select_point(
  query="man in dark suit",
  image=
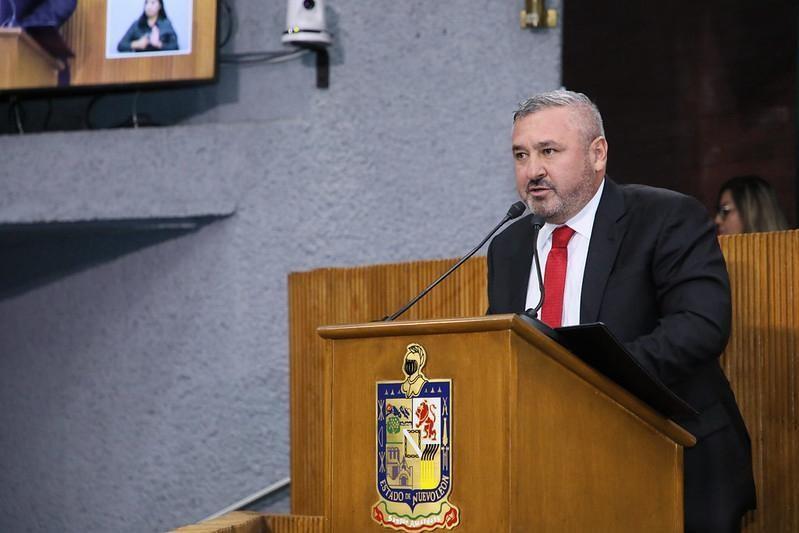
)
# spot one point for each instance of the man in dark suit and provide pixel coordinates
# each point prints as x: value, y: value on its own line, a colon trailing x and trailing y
x: 644, y: 261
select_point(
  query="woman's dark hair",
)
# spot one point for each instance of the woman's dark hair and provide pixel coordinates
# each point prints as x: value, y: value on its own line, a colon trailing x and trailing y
x: 756, y: 202
x: 161, y: 14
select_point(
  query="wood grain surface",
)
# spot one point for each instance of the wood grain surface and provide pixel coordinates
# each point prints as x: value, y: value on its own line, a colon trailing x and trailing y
x: 23, y: 63
x: 760, y: 359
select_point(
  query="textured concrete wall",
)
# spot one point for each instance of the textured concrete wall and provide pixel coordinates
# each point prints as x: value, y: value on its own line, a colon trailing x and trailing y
x: 151, y: 390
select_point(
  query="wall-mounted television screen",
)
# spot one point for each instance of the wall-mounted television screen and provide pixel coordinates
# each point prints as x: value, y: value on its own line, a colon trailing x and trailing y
x: 62, y: 44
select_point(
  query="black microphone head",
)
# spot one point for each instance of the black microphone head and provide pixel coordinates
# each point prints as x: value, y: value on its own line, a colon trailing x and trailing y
x: 537, y: 221
x: 516, y: 210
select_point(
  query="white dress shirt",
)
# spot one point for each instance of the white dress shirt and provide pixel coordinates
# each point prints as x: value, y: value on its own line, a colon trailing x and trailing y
x: 582, y: 223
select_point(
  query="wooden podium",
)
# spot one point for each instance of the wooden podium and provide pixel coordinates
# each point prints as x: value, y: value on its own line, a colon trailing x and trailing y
x: 760, y: 361
x: 25, y: 64
x: 539, y: 440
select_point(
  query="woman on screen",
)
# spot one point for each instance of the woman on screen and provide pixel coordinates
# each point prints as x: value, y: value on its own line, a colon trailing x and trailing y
x: 151, y: 32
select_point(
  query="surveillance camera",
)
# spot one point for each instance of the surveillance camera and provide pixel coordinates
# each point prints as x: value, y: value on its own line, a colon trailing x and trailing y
x: 305, y: 24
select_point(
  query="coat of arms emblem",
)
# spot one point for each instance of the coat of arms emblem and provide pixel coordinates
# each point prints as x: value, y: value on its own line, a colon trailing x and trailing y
x: 414, y: 450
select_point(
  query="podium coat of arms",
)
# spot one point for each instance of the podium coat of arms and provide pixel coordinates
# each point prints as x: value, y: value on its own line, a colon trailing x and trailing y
x: 414, y: 450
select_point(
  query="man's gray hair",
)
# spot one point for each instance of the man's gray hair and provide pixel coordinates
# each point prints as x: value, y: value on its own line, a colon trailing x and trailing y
x: 590, y: 118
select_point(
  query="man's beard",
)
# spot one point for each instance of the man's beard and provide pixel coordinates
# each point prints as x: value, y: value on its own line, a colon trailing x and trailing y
x: 559, y: 209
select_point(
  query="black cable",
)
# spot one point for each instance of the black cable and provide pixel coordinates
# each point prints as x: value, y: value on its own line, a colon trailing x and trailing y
x: 134, y: 110
x: 229, y: 30
x: 16, y: 114
x: 87, y: 115
x: 136, y: 119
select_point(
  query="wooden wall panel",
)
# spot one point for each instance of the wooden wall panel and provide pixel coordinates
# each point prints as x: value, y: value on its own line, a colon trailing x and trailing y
x: 761, y: 363
x: 760, y: 360
x: 294, y: 524
x: 85, y: 33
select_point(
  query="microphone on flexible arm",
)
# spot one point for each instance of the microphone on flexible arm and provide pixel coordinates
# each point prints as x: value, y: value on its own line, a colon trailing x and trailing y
x: 531, y: 315
x: 514, y: 212
x: 538, y: 222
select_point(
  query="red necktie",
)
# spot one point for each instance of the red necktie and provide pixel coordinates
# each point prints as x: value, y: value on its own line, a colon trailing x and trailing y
x: 555, y: 277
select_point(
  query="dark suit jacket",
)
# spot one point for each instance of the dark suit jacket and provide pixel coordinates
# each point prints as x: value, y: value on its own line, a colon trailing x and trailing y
x: 656, y: 277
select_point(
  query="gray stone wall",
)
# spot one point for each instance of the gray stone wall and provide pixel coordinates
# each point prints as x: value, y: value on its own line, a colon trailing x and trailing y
x: 151, y: 390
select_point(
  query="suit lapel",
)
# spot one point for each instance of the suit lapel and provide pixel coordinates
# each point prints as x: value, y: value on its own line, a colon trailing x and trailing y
x: 520, y: 266
x: 606, y: 237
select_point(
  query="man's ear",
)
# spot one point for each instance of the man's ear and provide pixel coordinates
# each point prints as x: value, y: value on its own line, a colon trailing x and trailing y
x: 599, y: 153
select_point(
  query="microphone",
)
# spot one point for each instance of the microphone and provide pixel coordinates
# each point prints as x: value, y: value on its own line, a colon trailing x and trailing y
x: 530, y: 316
x: 537, y: 222
x: 515, y: 211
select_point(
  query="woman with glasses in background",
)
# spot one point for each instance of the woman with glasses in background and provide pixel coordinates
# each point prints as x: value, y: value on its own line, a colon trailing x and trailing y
x: 748, y: 204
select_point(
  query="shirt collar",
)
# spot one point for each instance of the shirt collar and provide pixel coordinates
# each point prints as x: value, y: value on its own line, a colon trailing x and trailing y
x: 583, y: 222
